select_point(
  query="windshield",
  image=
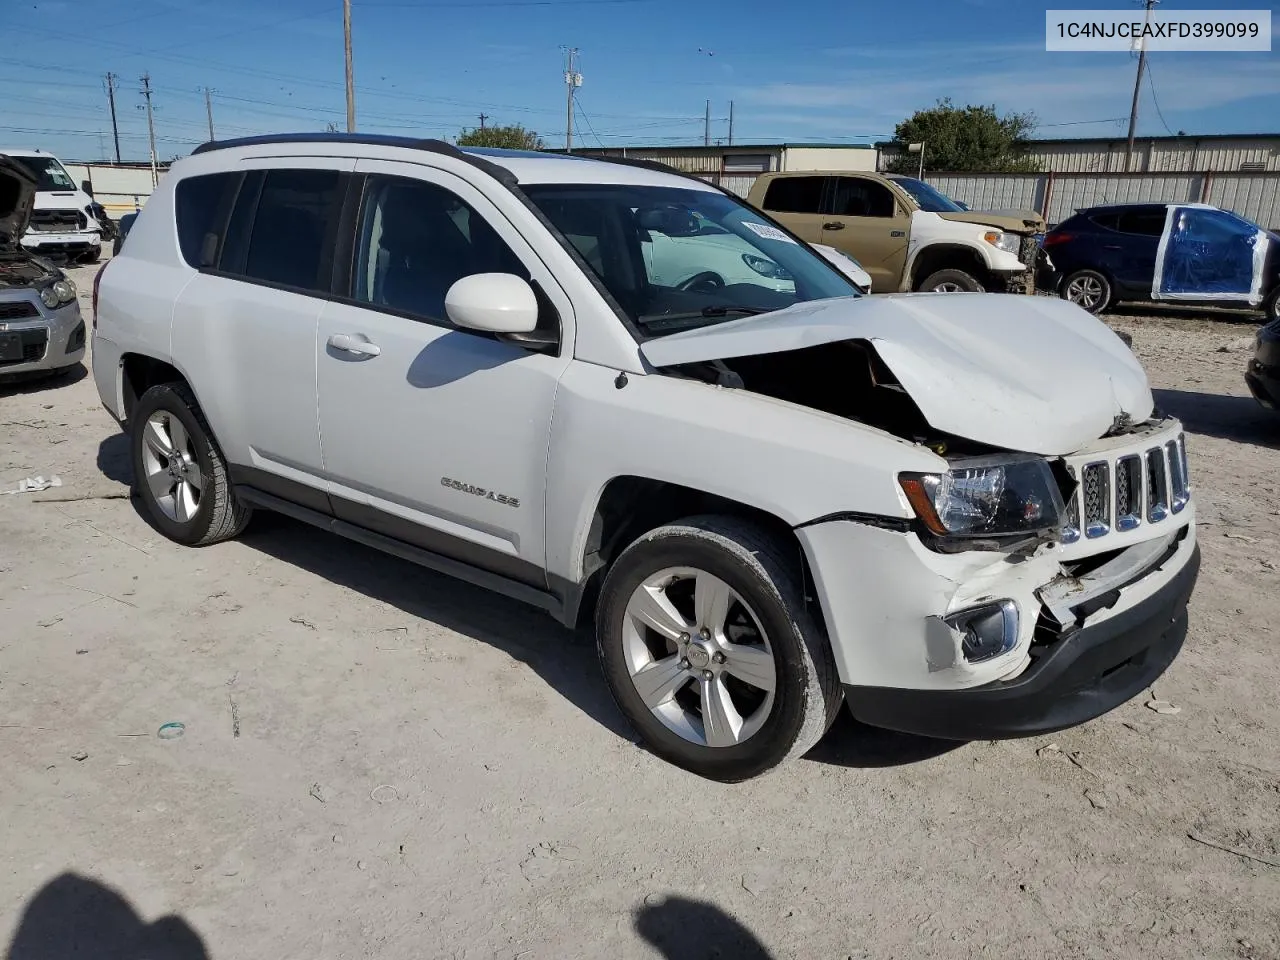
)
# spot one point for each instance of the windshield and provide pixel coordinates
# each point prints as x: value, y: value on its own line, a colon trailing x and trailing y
x: 930, y: 200
x: 673, y: 258
x: 48, y: 173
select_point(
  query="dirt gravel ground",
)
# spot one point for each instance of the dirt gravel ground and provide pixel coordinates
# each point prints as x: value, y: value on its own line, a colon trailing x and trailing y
x: 381, y: 762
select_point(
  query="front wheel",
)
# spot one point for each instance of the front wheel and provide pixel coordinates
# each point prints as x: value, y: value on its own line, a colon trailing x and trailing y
x: 1088, y: 289
x: 179, y: 471
x: 1272, y: 307
x: 952, y: 281
x: 711, y: 652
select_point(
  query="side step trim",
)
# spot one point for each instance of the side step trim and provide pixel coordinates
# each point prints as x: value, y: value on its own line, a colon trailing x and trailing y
x: 398, y: 548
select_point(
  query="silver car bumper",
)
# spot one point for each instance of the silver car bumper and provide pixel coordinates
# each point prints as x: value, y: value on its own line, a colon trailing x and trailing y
x: 49, y: 340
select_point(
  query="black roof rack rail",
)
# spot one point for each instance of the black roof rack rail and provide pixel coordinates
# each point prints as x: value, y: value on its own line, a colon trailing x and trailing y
x: 372, y: 139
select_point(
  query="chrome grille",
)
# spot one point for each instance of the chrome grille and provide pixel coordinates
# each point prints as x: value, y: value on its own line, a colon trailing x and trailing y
x: 1127, y: 489
x: 1095, y: 483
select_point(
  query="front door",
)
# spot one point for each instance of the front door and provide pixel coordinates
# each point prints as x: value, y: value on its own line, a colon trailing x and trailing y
x: 433, y: 434
x: 868, y: 222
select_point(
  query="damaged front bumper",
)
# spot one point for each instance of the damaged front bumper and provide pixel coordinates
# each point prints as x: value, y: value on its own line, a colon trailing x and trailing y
x: 980, y: 644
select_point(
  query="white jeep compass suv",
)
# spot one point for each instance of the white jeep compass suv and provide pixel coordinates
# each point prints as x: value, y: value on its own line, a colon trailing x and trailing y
x: 957, y: 514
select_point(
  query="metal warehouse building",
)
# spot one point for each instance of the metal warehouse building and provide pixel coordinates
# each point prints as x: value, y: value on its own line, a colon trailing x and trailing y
x: 1218, y: 153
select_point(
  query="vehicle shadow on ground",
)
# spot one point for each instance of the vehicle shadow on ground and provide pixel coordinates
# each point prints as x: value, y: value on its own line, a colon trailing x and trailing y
x: 852, y: 744
x: 1164, y: 310
x: 1231, y: 418
x: 565, y: 659
x: 683, y: 929
x: 73, y: 916
x: 16, y: 384
x: 113, y: 459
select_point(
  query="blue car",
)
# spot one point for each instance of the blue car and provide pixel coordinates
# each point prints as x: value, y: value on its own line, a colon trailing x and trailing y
x: 1192, y: 254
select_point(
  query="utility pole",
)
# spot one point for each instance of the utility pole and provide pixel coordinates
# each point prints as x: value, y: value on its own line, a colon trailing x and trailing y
x: 351, y: 79
x: 731, y: 123
x: 572, y: 81
x: 706, y: 127
x: 208, y: 110
x: 483, y: 118
x: 1137, y: 89
x: 111, y: 99
x: 151, y: 128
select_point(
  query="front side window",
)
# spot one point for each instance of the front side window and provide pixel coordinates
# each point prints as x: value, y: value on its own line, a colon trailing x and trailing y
x: 674, y: 258
x: 49, y: 173
x: 418, y: 239
x: 930, y: 199
x: 795, y: 195
x: 856, y: 197
x: 291, y: 241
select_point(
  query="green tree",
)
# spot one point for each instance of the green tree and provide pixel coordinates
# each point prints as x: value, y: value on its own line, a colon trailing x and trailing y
x: 511, y: 138
x: 966, y: 139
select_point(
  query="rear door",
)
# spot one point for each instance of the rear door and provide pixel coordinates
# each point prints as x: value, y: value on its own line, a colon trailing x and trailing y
x: 866, y: 220
x: 1140, y: 229
x: 797, y: 204
x: 247, y: 321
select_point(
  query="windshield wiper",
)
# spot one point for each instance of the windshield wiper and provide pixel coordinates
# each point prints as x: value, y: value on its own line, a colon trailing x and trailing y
x: 713, y: 312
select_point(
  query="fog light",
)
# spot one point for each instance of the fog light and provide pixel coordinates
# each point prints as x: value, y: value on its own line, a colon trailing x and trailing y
x: 988, y: 630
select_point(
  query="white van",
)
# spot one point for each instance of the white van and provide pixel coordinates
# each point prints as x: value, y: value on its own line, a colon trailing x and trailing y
x: 63, y: 223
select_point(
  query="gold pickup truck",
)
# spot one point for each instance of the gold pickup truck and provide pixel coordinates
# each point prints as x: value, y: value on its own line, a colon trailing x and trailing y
x: 906, y: 234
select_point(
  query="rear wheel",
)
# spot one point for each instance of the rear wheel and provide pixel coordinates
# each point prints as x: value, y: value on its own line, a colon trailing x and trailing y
x: 952, y: 281
x: 179, y: 470
x: 1088, y: 289
x: 711, y: 652
x: 1272, y: 307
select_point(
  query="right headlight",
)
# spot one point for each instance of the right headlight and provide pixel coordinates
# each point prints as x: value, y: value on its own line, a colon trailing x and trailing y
x: 987, y: 497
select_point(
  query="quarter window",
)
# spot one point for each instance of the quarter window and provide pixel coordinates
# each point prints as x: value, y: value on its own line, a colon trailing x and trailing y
x: 200, y: 213
x: 416, y: 240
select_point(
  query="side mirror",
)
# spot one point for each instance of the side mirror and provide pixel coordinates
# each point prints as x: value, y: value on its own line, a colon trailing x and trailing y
x: 495, y: 302
x: 87, y: 187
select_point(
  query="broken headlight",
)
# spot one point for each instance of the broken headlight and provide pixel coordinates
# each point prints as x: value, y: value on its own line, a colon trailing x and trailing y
x: 766, y: 267
x: 986, y: 497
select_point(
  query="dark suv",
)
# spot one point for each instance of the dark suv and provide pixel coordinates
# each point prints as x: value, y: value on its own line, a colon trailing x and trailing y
x: 1107, y: 254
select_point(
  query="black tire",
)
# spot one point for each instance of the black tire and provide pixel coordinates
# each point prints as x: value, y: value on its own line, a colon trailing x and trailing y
x: 1271, y: 308
x: 766, y: 575
x: 966, y: 282
x: 219, y: 514
x: 1078, y: 288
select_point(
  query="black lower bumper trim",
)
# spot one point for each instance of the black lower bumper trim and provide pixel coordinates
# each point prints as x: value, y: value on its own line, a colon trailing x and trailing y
x: 1264, y: 384
x: 1078, y: 677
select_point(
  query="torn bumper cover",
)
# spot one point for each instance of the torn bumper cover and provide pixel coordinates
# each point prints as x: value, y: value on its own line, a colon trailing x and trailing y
x: 1075, y: 675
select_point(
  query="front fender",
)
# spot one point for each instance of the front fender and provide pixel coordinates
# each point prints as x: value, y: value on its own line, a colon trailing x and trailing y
x: 791, y: 462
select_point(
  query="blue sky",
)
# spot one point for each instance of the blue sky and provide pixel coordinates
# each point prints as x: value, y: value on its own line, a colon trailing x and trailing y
x: 802, y: 70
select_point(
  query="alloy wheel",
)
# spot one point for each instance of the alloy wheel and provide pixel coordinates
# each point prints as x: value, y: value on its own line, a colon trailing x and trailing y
x: 172, y: 473
x: 1085, y: 292
x: 698, y: 657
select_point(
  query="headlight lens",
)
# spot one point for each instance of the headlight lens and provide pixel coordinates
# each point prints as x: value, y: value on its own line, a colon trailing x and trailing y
x: 1008, y: 242
x: 64, y: 290
x: 766, y: 267
x: 986, y: 497
x: 49, y: 296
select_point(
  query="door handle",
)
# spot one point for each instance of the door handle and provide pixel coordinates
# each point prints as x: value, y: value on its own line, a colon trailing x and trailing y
x: 350, y: 344
x: 1112, y: 246
x: 835, y: 225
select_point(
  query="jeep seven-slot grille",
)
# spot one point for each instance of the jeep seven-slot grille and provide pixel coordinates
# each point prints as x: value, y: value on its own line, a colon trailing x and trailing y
x: 1123, y: 493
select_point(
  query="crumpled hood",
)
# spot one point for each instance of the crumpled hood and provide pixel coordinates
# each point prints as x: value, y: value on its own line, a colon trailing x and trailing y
x: 17, y: 200
x: 1033, y: 374
x: 1015, y: 221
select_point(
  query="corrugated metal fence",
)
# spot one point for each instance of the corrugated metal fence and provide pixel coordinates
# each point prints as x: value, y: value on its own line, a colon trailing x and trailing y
x: 1255, y: 196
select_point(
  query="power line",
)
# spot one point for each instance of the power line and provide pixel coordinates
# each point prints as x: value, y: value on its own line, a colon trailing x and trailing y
x: 587, y: 121
x: 1154, y: 99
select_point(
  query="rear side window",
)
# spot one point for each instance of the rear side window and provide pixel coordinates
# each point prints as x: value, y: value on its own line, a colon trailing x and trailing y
x: 1108, y: 221
x: 795, y: 195
x: 284, y: 226
x: 1147, y: 223
x: 201, y: 208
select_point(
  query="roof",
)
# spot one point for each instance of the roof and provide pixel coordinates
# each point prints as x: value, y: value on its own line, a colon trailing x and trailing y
x: 508, y: 166
x: 719, y: 148
x: 19, y: 152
